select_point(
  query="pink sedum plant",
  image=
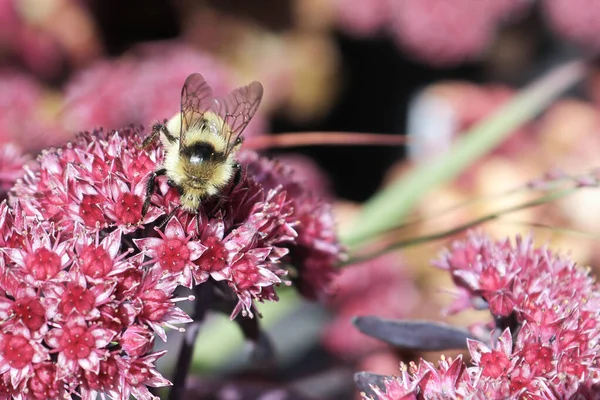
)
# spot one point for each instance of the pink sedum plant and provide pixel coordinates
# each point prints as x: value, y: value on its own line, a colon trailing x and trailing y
x: 86, y: 282
x: 542, y: 340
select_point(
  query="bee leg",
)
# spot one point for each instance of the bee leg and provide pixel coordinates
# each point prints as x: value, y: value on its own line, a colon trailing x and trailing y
x: 238, y: 143
x: 162, y: 128
x: 168, y: 217
x: 237, y: 178
x: 157, y: 129
x: 150, y: 186
x: 151, y: 138
x: 198, y: 220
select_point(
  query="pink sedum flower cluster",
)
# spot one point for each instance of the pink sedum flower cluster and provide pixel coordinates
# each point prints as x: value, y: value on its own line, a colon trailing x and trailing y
x: 68, y: 303
x: 545, y: 311
x: 86, y: 282
x: 316, y: 248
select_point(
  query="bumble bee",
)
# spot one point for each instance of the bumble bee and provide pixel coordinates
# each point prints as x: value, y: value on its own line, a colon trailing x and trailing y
x: 202, y: 140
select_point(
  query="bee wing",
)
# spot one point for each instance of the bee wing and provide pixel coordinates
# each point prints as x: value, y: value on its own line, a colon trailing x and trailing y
x: 237, y: 109
x: 196, y: 97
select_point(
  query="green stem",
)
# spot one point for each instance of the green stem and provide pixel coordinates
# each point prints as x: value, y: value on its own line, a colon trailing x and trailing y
x: 461, y: 228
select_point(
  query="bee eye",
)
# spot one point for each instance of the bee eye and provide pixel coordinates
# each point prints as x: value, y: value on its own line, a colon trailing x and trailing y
x: 199, y: 153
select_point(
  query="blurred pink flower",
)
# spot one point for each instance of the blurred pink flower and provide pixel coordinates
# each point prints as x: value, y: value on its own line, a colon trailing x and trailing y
x: 39, y: 51
x: 24, y: 119
x: 363, y: 17
x: 437, y: 32
x: 441, y: 32
x: 576, y: 20
x: 309, y: 173
x: 142, y: 86
x: 379, y: 286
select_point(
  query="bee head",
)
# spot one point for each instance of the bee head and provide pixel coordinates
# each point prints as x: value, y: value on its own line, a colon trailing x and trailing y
x: 199, y: 153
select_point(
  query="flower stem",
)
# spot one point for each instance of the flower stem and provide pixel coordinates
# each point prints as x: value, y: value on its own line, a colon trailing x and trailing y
x: 202, y: 302
x: 412, y: 241
x: 282, y: 140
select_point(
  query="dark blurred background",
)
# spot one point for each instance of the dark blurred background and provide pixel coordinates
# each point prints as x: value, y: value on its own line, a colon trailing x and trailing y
x: 368, y: 77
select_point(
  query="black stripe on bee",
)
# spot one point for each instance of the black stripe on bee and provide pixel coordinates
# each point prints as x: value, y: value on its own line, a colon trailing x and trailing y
x: 199, y: 153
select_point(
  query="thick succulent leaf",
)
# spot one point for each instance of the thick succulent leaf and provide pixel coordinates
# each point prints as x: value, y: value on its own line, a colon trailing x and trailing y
x: 365, y: 381
x: 414, y: 335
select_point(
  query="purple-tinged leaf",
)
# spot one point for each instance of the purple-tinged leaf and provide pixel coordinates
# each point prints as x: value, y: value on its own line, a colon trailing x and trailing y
x: 414, y: 335
x: 365, y: 381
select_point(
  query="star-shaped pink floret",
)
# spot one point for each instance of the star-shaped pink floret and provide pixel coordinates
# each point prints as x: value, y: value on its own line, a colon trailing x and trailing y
x: 24, y: 308
x: 18, y: 354
x: 99, y: 260
x: 77, y: 296
x: 157, y: 304
x: 79, y: 345
x: 40, y: 260
x: 138, y: 372
x: 173, y: 251
x: 493, y: 362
